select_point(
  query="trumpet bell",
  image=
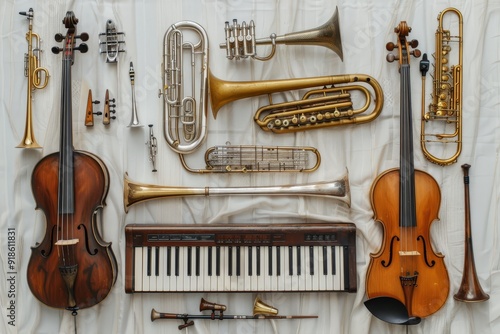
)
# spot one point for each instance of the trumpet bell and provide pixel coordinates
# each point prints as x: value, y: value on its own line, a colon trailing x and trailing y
x: 261, y: 308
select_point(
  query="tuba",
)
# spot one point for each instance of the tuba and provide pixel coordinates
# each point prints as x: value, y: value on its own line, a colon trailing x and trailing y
x: 446, y: 105
x: 328, y: 106
x: 185, y: 121
x: 134, y: 193
x: 36, y: 80
x: 241, y: 42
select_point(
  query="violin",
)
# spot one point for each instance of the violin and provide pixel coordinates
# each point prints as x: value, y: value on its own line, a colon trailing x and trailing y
x: 72, y: 267
x: 406, y: 202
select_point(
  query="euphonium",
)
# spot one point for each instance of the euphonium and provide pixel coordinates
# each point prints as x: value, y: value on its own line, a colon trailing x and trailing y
x: 184, y: 114
x: 446, y: 105
x: 327, y: 106
x: 134, y: 193
x: 36, y: 80
x: 241, y: 42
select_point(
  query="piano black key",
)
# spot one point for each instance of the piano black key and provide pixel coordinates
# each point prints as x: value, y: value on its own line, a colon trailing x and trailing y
x: 334, y: 272
x: 238, y: 262
x: 169, y: 260
x: 278, y: 261
x: 209, y: 260
x: 298, y: 261
x: 325, y: 261
x: 250, y: 267
x: 230, y: 261
x: 176, y: 264
x: 257, y: 250
x: 217, y: 261
x: 157, y: 261
x: 270, y: 260
x: 197, y: 269
x: 148, y: 268
x: 189, y: 260
x: 311, y: 260
x: 290, y: 260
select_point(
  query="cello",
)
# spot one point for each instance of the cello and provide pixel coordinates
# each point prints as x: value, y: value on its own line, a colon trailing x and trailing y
x: 406, y: 202
x: 72, y: 267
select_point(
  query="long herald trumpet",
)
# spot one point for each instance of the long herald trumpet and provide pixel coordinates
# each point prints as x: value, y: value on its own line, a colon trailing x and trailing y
x: 134, y: 193
x: 261, y: 311
x: 470, y: 289
x: 38, y: 78
x: 252, y: 158
x: 182, y: 113
x: 446, y: 105
x: 241, y: 41
x: 327, y: 106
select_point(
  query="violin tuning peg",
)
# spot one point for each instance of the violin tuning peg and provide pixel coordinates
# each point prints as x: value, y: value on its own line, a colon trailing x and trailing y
x: 59, y: 37
x: 413, y: 43
x: 391, y: 57
x: 390, y: 46
x: 56, y: 50
x: 83, y: 48
x: 83, y: 36
x: 416, y: 53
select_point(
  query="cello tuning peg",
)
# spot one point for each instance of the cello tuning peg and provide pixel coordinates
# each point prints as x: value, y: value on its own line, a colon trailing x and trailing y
x: 83, y: 36
x: 416, y: 53
x: 56, y: 50
x: 59, y: 37
x: 391, y: 57
x: 413, y: 43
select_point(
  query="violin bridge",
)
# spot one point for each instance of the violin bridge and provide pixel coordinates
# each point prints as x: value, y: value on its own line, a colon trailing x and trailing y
x: 66, y: 242
x: 409, y: 253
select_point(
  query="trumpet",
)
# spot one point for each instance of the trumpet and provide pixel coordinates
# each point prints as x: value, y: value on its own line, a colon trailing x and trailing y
x: 446, y: 105
x: 38, y: 78
x: 134, y: 120
x: 253, y: 158
x: 152, y: 147
x: 182, y: 113
x: 241, y: 41
x: 327, y: 106
x: 134, y: 193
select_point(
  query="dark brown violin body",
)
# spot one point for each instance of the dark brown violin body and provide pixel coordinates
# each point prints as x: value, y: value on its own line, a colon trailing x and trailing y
x: 72, y: 268
x: 406, y: 202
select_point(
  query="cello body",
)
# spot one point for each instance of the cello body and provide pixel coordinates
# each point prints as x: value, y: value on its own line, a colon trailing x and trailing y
x: 385, y: 266
x: 72, y: 267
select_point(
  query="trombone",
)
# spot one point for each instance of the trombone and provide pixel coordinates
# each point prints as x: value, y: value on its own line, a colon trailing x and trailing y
x: 38, y: 78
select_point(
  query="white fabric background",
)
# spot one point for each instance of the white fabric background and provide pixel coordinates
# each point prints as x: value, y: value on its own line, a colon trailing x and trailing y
x: 366, y: 150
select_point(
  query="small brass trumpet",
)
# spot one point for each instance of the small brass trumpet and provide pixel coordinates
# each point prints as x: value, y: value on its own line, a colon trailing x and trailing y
x: 38, y: 78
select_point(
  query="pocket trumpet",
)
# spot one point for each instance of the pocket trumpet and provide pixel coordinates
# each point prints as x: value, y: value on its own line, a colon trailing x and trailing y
x: 38, y: 78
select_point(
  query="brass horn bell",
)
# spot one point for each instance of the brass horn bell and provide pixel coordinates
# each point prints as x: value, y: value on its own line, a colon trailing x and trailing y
x: 261, y: 308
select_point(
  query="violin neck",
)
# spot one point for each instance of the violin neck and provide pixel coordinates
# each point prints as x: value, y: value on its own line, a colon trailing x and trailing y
x: 66, y: 178
x: 407, y: 211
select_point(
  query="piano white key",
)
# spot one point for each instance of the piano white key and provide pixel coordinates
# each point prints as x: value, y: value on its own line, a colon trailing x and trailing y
x: 266, y: 281
x: 163, y: 269
x: 274, y: 278
x: 282, y: 273
x: 296, y: 264
x: 145, y: 263
x: 318, y: 269
x: 304, y: 279
x: 138, y: 274
x: 220, y: 257
x: 323, y: 263
x: 260, y: 267
x: 341, y: 267
x: 202, y: 279
x: 213, y: 277
x: 180, y: 279
x: 241, y: 278
x: 153, y: 279
x: 233, y: 279
x: 337, y: 274
x: 288, y: 250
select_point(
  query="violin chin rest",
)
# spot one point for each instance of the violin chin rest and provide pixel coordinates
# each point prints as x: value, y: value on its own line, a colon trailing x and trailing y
x: 390, y: 310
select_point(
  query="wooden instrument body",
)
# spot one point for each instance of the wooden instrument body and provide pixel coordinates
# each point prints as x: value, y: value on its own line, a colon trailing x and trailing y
x: 94, y: 257
x: 387, y: 265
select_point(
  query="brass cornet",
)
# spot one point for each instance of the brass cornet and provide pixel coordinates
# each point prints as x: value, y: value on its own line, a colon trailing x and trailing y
x: 322, y: 107
x: 446, y: 105
x: 38, y: 77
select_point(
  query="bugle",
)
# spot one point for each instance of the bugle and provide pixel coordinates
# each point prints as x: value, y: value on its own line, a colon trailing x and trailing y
x: 470, y: 289
x: 184, y: 117
x: 134, y: 193
x: 446, y: 105
x: 38, y: 78
x: 241, y: 41
x: 323, y: 107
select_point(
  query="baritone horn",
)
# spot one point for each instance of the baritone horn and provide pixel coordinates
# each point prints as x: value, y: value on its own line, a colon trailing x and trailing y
x: 322, y: 107
x: 445, y: 111
x: 241, y: 41
x: 134, y: 193
x: 184, y: 117
x: 38, y: 77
